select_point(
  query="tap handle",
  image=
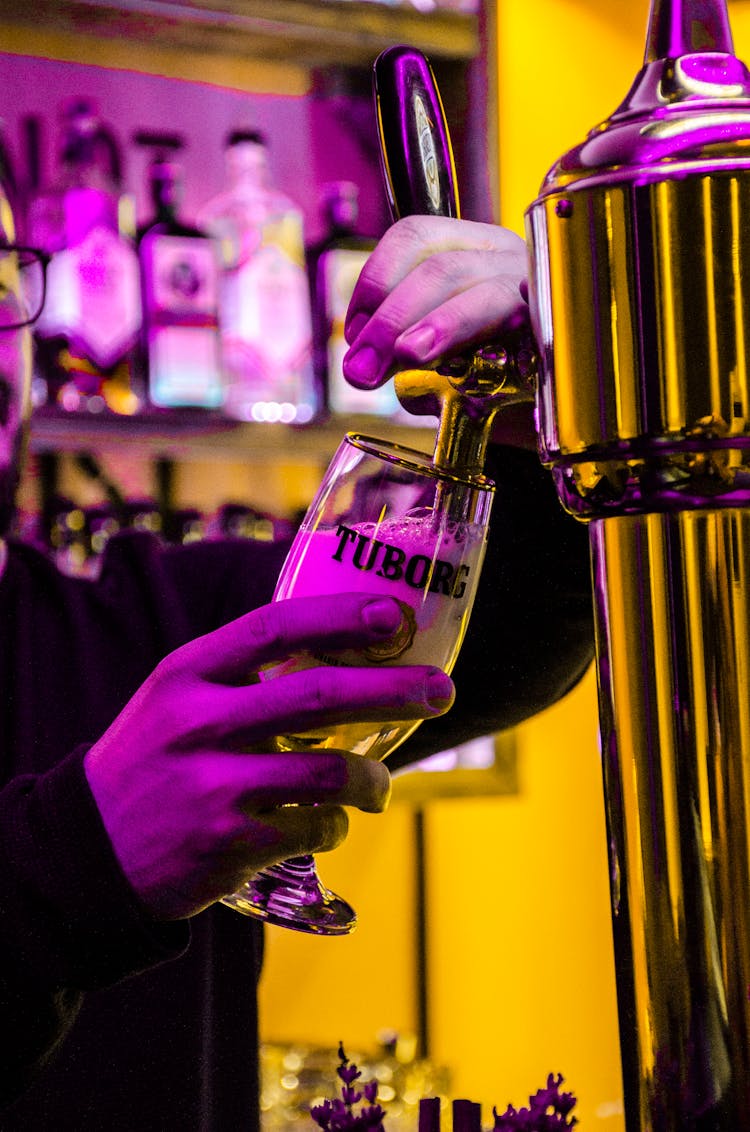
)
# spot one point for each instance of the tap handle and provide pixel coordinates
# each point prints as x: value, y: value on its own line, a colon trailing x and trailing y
x: 415, y: 146
x: 420, y: 179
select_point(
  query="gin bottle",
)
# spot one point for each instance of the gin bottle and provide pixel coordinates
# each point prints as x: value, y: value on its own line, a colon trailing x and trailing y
x: 266, y: 330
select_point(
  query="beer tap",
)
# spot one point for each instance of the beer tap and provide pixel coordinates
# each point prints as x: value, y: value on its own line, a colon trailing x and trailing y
x: 465, y: 393
x: 639, y: 293
x: 640, y: 261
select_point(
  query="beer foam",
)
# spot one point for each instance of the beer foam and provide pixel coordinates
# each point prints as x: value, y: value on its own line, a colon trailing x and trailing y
x: 423, y: 526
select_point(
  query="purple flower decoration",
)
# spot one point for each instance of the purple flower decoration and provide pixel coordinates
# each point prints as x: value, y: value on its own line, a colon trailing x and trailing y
x: 370, y: 1089
x: 549, y: 1109
x: 322, y: 1113
x: 340, y: 1114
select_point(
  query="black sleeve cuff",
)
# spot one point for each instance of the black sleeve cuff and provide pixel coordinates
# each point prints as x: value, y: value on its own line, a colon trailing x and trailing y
x: 69, y: 916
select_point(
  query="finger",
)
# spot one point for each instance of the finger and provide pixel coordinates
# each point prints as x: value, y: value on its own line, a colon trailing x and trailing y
x: 438, y: 279
x: 282, y: 629
x: 410, y: 242
x: 306, y: 778
x: 409, y: 329
x: 292, y: 832
x: 255, y: 841
x: 318, y: 698
x: 261, y: 840
x: 471, y: 318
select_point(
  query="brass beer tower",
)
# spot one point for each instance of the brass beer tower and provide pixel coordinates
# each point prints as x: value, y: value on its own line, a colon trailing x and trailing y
x: 640, y: 272
x: 640, y: 299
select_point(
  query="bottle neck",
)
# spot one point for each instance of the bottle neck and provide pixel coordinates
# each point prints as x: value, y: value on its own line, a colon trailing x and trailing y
x: 166, y: 194
x: 165, y: 209
x: 339, y: 231
x: 341, y: 211
x: 246, y: 165
x: 89, y: 158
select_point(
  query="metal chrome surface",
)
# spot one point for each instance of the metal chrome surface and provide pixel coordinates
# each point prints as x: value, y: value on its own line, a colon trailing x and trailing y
x: 642, y: 320
x: 641, y: 293
x: 673, y: 642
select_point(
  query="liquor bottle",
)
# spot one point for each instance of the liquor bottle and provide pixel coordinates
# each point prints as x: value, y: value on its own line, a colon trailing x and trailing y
x: 87, y: 334
x: 266, y: 322
x: 180, y: 285
x: 334, y: 265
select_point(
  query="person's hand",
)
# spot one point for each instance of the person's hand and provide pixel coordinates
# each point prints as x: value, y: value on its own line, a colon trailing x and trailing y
x: 187, y: 780
x: 432, y: 288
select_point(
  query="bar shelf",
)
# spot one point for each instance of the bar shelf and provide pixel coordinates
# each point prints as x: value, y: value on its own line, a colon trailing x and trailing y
x: 314, y: 34
x: 186, y: 434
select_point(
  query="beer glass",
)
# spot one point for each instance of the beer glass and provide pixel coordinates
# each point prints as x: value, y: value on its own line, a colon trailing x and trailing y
x: 385, y: 520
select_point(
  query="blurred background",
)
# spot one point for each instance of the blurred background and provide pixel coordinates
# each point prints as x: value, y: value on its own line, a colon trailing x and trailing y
x: 482, y: 960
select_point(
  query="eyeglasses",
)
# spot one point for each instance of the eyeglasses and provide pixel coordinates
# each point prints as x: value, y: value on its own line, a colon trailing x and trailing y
x: 23, y: 274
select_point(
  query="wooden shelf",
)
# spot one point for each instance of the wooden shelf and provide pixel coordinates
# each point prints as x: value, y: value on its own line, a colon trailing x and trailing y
x: 186, y: 436
x: 311, y: 32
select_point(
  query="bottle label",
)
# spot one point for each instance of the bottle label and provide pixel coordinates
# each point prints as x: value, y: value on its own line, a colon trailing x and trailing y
x: 93, y: 297
x: 266, y: 321
x: 338, y: 271
x: 184, y: 367
x: 272, y: 309
x: 417, y: 571
x: 181, y: 278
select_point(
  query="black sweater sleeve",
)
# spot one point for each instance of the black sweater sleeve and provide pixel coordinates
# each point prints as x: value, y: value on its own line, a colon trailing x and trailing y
x: 70, y: 921
x: 531, y: 635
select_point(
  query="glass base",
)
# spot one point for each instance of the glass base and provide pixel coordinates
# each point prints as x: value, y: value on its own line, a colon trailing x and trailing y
x: 291, y: 895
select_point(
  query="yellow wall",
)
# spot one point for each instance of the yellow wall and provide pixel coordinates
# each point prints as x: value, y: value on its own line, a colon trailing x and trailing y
x: 523, y: 975
x: 563, y: 66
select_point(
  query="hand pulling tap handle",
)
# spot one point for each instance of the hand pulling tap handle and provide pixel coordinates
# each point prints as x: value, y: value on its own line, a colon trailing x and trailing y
x: 420, y: 179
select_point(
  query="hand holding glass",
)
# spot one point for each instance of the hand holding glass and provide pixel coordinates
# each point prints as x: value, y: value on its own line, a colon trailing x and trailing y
x: 385, y: 520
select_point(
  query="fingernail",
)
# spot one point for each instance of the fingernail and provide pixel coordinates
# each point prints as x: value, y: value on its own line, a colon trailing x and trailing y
x: 439, y: 690
x: 362, y: 367
x: 355, y: 324
x: 418, y: 343
x: 383, y: 616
